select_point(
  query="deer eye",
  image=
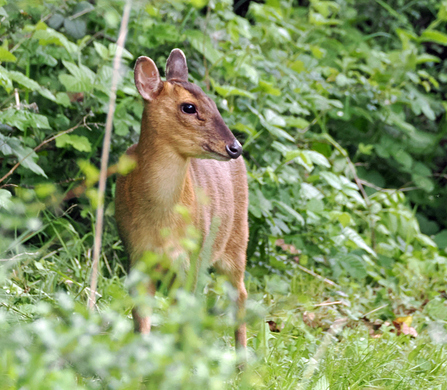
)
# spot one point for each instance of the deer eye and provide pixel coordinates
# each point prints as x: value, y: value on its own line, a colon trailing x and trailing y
x: 188, y: 108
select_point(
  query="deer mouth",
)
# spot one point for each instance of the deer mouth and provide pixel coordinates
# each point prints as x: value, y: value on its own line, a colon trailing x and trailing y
x: 215, y: 155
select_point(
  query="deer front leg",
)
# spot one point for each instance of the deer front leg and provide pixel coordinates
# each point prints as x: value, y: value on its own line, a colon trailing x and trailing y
x: 241, y: 331
x: 142, y: 323
x: 235, y: 270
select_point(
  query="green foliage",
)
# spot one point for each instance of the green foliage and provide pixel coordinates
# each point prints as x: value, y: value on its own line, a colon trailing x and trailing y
x: 340, y: 108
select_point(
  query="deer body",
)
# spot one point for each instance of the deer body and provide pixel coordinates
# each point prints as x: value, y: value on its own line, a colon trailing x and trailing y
x: 182, y: 137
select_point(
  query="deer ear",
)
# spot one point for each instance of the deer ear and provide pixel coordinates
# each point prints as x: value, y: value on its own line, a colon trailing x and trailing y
x: 176, y: 68
x: 147, y: 78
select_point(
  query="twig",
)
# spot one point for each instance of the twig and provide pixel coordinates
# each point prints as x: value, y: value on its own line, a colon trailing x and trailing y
x: 13, y: 308
x: 310, y: 272
x: 11, y: 171
x: 377, y: 309
x: 108, y: 265
x: 70, y: 180
x: 100, y: 34
x: 105, y: 153
x: 20, y: 255
x: 392, y: 190
x: 8, y: 185
x: 83, y: 12
x: 17, y: 98
x: 330, y: 303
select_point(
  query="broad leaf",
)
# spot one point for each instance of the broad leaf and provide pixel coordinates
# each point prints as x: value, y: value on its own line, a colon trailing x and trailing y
x: 5, y: 199
x: 6, y: 56
x: 203, y: 45
x: 79, y: 142
x: 434, y: 36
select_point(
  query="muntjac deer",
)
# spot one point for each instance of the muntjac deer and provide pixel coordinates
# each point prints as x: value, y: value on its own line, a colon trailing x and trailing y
x: 184, y: 148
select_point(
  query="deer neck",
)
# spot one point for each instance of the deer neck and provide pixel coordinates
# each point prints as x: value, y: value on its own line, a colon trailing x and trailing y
x: 162, y: 173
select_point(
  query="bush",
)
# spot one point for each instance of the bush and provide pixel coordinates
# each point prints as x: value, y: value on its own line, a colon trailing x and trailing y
x: 343, y: 123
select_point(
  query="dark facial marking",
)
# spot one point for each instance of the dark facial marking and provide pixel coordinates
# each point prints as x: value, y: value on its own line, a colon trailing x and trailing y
x: 222, y: 129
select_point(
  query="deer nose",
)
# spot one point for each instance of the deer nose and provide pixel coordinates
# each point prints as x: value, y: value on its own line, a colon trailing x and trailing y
x: 234, y: 150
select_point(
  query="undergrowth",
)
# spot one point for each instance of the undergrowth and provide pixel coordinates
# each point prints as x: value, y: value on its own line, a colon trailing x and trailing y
x: 342, y: 118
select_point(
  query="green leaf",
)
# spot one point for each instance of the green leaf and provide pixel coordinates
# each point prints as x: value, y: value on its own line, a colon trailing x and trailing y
x: 353, y: 236
x: 298, y: 66
x: 101, y: 50
x: 24, y: 119
x: 345, y: 219
x: 203, y: 45
x: 199, y: 4
x: 354, y: 265
x: 315, y: 205
x: 265, y: 204
x: 5, y: 80
x: 332, y: 180
x: 305, y: 161
x: 121, y: 127
x: 52, y: 37
x: 125, y: 53
x: 247, y: 129
x: 79, y: 142
x: 273, y: 118
x: 341, y: 80
x: 292, y: 154
x: 47, y: 94
x: 437, y: 309
x: 5, y: 200
x: 400, y: 123
x: 291, y: 211
x: 402, y: 157
x: 103, y: 80
x: 77, y: 28
x: 277, y: 132
x: 56, y: 21
x: 228, y: 90
x: 23, y: 80
x: 441, y: 239
x: 317, y: 158
x: 434, y: 36
x: 81, y: 81
x: 80, y: 72
x: 27, y: 156
x: 63, y: 99
x: 308, y: 191
x: 423, y: 58
x: 423, y: 182
x: 6, y: 56
x: 267, y: 88
x: 300, y: 123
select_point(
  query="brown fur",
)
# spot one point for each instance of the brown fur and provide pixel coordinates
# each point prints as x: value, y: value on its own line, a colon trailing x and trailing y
x: 176, y: 159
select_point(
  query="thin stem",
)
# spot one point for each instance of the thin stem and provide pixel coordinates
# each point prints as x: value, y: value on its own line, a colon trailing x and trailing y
x: 105, y: 153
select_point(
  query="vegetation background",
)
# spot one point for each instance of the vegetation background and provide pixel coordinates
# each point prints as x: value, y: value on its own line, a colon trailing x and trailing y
x: 341, y: 107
